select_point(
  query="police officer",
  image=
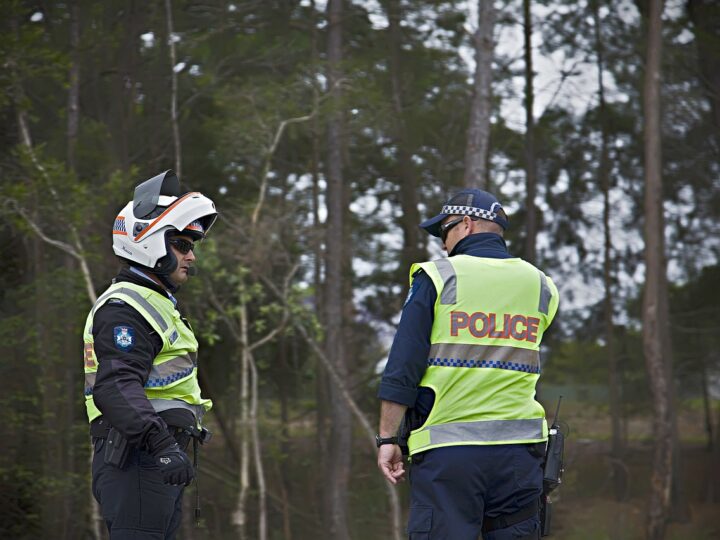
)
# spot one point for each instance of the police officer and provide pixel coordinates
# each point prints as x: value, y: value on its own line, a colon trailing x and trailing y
x: 141, y: 386
x: 461, y: 377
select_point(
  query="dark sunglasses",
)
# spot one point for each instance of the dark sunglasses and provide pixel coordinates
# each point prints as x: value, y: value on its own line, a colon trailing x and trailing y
x: 445, y: 228
x: 183, y: 246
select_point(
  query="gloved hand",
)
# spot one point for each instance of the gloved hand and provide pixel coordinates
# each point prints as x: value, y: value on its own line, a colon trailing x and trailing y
x: 174, y: 465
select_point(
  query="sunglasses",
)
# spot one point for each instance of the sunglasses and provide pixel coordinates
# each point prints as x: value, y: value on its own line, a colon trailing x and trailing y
x: 445, y: 228
x: 183, y: 246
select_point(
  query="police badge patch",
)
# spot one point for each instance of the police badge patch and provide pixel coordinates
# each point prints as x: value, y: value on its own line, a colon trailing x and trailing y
x: 124, y: 338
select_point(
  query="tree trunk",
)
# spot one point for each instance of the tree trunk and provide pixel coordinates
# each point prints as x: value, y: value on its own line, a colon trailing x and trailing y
x: 284, y: 389
x: 707, y: 408
x: 614, y: 382
x: 240, y: 516
x: 655, y: 316
x: 321, y: 381
x: 73, y: 127
x: 478, y: 134
x: 73, y: 107
x: 413, y: 246
x: 257, y: 450
x: 338, y: 469
x: 530, y: 164
x: 173, y: 90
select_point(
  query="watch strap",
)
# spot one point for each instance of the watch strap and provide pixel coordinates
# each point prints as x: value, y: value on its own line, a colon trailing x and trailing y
x: 379, y: 441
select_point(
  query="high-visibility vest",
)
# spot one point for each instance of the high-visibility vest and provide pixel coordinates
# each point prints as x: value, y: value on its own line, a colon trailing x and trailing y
x: 173, y: 381
x: 484, y: 361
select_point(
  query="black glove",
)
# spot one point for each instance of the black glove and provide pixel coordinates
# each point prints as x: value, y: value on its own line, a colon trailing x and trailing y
x: 174, y: 465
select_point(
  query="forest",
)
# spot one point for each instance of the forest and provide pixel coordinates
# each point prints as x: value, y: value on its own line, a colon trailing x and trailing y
x: 325, y: 132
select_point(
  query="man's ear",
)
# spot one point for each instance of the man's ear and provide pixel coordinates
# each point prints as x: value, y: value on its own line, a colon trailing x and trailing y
x: 469, y: 223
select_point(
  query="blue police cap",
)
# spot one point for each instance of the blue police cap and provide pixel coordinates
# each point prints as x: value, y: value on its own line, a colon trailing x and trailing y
x: 468, y: 202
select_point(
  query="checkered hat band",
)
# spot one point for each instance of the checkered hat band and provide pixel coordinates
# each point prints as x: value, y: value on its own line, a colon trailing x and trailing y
x: 469, y: 211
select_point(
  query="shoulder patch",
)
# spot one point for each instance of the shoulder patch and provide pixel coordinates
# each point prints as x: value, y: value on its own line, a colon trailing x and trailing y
x: 116, y: 301
x: 412, y: 290
x: 124, y: 338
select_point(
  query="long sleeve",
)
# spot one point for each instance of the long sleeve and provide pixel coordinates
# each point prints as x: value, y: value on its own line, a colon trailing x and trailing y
x: 407, y: 361
x: 125, y: 346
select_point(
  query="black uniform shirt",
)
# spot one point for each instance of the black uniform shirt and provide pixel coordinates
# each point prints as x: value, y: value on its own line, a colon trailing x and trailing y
x: 124, y: 367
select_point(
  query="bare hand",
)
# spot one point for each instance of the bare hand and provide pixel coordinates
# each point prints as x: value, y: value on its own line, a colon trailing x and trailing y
x: 390, y: 462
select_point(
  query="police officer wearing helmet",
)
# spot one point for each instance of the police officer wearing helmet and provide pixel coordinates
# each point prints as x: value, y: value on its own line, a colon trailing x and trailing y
x: 460, y: 382
x: 142, y: 394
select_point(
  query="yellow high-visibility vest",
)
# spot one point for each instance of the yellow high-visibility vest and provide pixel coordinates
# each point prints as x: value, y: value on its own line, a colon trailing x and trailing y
x: 173, y: 381
x: 484, y: 361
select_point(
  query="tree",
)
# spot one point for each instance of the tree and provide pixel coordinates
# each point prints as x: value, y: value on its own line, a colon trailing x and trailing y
x: 531, y: 221
x: 655, y: 307
x: 614, y: 387
x: 338, y: 470
x: 478, y: 134
x: 413, y: 245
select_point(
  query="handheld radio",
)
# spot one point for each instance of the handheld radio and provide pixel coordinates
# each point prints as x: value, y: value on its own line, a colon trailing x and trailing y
x: 554, y: 454
x: 553, y: 470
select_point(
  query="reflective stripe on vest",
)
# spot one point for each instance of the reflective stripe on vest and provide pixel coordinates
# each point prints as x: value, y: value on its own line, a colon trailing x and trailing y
x: 484, y: 356
x: 447, y: 273
x: 166, y: 404
x: 171, y: 371
x: 492, y: 431
x: 147, y: 306
x: 90, y: 382
x: 160, y: 374
x: 545, y: 295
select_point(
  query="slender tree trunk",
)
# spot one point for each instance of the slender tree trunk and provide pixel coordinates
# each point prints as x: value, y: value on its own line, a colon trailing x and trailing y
x: 240, y: 517
x: 284, y: 389
x: 413, y: 246
x: 174, y: 90
x: 73, y: 107
x: 321, y: 381
x: 531, y: 224
x: 655, y: 316
x: 73, y: 127
x: 714, y: 495
x: 707, y: 410
x: 614, y: 383
x: 257, y: 450
x: 338, y: 469
x: 478, y: 134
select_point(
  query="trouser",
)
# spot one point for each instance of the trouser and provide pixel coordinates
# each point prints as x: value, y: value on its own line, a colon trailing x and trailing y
x: 453, y: 488
x: 134, y: 501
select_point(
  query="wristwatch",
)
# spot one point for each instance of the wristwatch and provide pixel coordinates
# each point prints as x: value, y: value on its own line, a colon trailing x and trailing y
x: 379, y: 441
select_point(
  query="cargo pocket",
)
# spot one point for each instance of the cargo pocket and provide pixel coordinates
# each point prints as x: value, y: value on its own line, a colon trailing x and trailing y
x: 420, y: 522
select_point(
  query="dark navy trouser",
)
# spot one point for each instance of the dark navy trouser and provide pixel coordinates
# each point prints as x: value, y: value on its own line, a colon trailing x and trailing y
x: 453, y: 487
x: 134, y: 501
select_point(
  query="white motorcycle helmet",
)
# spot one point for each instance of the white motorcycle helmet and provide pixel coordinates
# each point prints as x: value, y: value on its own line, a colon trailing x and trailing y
x: 141, y: 229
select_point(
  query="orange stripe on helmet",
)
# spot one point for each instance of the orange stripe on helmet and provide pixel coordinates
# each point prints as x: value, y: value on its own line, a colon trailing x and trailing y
x: 168, y: 209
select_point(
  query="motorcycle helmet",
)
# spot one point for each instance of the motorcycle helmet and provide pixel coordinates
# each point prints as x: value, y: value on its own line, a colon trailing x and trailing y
x: 158, y: 211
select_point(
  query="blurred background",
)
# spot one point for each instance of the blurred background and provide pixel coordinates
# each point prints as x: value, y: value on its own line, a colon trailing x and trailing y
x: 325, y: 132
